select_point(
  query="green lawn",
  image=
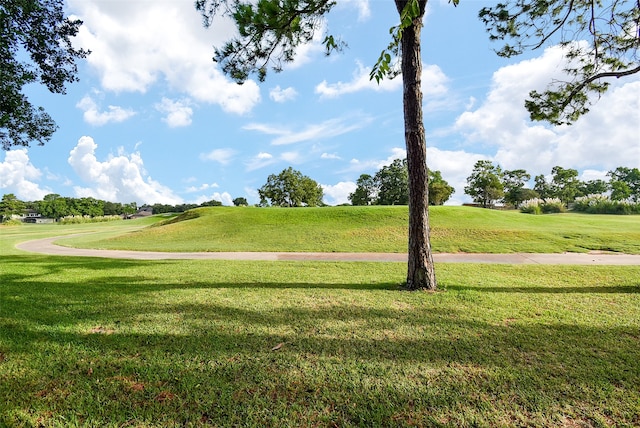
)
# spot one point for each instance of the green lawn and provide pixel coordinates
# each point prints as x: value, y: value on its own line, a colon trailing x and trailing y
x: 378, y: 229
x: 100, y: 342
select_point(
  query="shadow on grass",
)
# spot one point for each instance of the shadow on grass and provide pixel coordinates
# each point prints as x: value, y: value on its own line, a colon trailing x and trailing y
x: 622, y: 289
x: 217, y: 362
x: 114, y: 342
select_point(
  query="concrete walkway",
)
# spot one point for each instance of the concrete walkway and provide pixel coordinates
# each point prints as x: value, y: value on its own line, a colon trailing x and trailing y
x: 47, y: 246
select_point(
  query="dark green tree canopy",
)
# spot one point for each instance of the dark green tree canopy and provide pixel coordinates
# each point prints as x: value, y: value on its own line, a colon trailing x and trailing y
x: 390, y: 186
x: 513, y: 183
x: 484, y: 184
x: 393, y: 183
x: 609, y: 48
x: 439, y: 190
x: 625, y: 184
x: 35, y: 47
x: 290, y: 189
x: 240, y: 202
x: 366, y: 192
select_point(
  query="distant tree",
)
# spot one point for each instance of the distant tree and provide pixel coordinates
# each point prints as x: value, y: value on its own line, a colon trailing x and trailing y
x: 211, y: 203
x: 240, y: 202
x: 592, y: 187
x: 130, y: 208
x: 484, y: 184
x: 88, y: 206
x: 439, y: 190
x: 290, y: 189
x: 625, y: 184
x: 366, y: 191
x: 565, y: 184
x: 542, y: 187
x: 525, y: 194
x: 393, y: 183
x: 513, y: 183
x: 9, y: 206
x: 55, y: 206
x: 35, y: 47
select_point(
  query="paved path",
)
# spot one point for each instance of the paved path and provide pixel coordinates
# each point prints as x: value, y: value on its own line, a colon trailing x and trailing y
x: 46, y: 246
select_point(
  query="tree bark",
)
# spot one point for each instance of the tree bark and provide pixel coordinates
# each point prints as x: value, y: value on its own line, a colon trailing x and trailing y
x: 421, y: 271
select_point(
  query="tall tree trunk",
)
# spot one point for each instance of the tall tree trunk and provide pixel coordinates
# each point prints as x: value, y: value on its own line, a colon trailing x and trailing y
x: 421, y: 271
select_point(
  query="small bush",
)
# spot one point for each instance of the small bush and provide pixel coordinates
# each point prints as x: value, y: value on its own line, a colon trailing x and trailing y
x: 531, y: 206
x: 553, y: 206
x: 79, y: 219
x: 599, y: 204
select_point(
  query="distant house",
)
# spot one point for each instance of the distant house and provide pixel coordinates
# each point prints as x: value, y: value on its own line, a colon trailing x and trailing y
x: 32, y: 216
x: 142, y: 212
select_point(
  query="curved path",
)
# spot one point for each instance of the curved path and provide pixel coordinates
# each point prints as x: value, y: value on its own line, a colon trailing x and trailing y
x: 47, y: 246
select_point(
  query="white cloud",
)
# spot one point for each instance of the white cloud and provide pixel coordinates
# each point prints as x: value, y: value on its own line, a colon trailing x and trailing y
x: 592, y: 174
x: 138, y: 44
x: 434, y: 84
x: 360, y: 81
x: 327, y: 129
x: 332, y: 156
x: 291, y: 157
x: 201, y: 188
x: 94, y: 116
x: 338, y: 193
x: 222, y: 156
x: 223, y: 197
x: 606, y: 137
x: 19, y: 176
x: 364, y: 12
x: 120, y: 178
x: 280, y: 95
x: 261, y: 160
x: 178, y: 112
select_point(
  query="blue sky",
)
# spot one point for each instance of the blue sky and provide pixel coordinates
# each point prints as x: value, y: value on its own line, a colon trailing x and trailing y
x: 153, y: 120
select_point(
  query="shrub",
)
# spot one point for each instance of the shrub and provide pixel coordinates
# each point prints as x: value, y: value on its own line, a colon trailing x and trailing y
x: 553, y: 205
x: 531, y: 206
x: 599, y: 204
x: 79, y: 219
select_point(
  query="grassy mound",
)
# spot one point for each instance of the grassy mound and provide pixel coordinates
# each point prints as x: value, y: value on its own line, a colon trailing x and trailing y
x: 378, y: 229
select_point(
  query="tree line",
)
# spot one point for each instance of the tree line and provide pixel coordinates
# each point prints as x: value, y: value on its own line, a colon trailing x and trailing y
x: 488, y: 184
x: 55, y: 206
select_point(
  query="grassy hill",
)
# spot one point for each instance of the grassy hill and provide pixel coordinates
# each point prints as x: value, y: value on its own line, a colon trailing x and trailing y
x: 376, y: 229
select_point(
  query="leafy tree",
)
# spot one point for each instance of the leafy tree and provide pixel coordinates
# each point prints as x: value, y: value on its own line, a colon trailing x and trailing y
x: 366, y: 191
x: 513, y: 183
x: 609, y: 27
x: 625, y: 184
x: 54, y: 206
x: 592, y: 187
x: 35, y: 47
x: 439, y: 190
x: 9, y: 206
x: 240, y: 202
x: 291, y: 189
x: 565, y: 184
x: 211, y: 203
x: 88, y: 206
x: 393, y: 183
x: 542, y: 187
x: 484, y: 184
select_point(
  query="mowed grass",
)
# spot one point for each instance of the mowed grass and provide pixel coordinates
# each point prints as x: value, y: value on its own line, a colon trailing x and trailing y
x: 118, y: 343
x: 377, y: 229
